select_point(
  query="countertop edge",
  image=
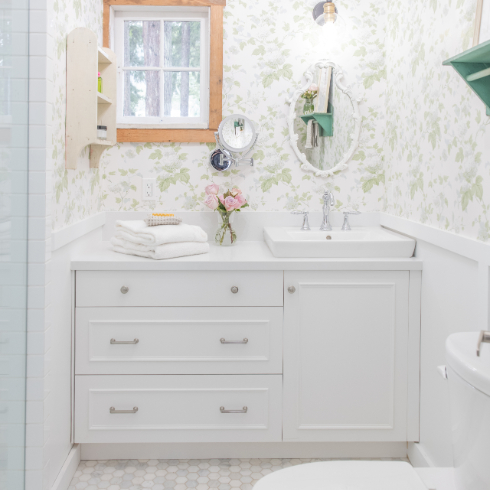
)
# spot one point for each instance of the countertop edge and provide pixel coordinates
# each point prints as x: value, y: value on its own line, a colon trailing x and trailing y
x: 245, y: 256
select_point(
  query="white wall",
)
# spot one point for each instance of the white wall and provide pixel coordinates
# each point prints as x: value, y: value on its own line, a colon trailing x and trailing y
x: 57, y: 405
x: 449, y: 305
x: 39, y: 245
x: 455, y: 298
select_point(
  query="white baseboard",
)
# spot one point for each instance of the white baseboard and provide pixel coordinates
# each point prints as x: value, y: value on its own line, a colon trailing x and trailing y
x: 245, y: 450
x: 60, y: 238
x: 418, y: 457
x: 68, y: 470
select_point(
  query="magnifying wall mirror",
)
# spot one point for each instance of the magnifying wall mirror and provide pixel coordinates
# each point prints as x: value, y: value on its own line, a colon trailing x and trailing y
x: 236, y: 136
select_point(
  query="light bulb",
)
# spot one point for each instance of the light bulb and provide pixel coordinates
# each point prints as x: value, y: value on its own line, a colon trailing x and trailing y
x: 330, y: 14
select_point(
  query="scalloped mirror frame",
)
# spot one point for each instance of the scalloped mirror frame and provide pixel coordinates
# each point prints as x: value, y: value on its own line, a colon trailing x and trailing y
x: 293, y: 138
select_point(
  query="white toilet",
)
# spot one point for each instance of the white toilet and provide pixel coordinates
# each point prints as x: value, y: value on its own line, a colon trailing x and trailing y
x: 469, y: 379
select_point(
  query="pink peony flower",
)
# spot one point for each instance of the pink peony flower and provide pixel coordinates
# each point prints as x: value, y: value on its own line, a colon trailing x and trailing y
x: 222, y: 199
x: 240, y: 199
x: 231, y: 203
x: 211, y: 201
x: 236, y: 191
x: 313, y: 87
x: 212, y: 189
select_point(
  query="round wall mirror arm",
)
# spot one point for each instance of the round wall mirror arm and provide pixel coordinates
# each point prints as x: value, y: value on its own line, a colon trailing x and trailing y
x: 225, y: 156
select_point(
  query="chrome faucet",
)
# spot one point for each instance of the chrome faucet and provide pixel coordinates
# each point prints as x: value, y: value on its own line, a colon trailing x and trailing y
x: 306, y: 224
x: 328, y: 200
x: 346, y: 225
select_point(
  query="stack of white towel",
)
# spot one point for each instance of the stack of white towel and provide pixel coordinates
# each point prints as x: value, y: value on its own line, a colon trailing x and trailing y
x: 159, y: 242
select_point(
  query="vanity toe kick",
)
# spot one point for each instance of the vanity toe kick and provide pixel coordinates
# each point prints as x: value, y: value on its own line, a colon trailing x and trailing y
x: 135, y: 409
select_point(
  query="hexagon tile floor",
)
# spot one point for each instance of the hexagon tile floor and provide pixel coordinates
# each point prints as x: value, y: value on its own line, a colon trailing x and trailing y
x: 177, y: 474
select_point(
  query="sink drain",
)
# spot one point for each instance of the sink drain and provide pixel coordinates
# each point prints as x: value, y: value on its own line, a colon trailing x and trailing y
x: 329, y: 237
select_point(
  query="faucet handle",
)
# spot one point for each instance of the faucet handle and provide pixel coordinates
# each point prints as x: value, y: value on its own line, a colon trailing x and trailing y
x: 346, y: 225
x: 329, y: 195
x: 306, y: 224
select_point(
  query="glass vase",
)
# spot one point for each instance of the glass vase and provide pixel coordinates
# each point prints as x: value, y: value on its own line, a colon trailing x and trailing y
x: 225, y: 234
x: 309, y: 107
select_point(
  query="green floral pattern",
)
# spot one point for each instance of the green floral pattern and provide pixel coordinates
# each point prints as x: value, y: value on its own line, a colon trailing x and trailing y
x: 423, y: 130
x: 437, y: 133
x: 268, y: 46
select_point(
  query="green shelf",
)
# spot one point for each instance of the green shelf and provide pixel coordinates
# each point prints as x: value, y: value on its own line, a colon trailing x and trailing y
x: 324, y: 119
x: 474, y: 67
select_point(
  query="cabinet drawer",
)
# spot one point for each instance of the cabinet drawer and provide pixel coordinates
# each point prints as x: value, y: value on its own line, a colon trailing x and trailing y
x: 178, y: 340
x: 179, y: 288
x: 177, y: 409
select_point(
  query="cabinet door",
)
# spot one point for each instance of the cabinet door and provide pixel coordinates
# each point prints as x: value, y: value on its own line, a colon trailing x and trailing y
x: 345, y: 356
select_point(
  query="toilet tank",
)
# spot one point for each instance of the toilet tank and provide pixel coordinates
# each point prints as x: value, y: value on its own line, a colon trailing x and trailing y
x: 469, y: 381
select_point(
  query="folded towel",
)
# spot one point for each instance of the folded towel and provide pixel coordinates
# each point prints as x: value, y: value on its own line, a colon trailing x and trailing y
x: 168, y: 251
x: 140, y: 232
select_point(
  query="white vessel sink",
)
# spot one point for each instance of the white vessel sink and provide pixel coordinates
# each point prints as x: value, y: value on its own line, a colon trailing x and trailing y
x: 368, y: 242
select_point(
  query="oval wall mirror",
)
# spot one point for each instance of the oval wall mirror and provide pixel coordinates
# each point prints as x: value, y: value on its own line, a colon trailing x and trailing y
x: 324, y: 131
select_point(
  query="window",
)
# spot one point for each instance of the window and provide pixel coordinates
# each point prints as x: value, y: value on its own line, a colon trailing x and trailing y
x: 163, y: 67
x: 160, y: 128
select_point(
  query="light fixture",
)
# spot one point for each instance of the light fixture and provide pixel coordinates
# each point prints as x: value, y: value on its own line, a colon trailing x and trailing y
x: 325, y: 13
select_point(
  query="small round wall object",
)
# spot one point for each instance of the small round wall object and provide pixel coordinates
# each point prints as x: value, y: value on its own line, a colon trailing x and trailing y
x: 124, y: 290
x: 220, y: 160
x: 291, y: 289
x: 234, y: 290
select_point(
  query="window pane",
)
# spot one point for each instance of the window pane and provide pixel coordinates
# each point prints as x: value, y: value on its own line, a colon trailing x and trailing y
x: 142, y: 93
x: 142, y: 43
x: 182, y: 94
x: 183, y: 44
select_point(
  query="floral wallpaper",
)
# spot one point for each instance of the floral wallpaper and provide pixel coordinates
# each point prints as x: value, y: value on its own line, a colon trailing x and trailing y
x: 424, y: 132
x: 437, y: 147
x: 76, y: 193
x: 268, y: 46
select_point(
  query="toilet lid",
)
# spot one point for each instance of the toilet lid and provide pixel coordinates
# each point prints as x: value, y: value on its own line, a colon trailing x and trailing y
x: 344, y: 475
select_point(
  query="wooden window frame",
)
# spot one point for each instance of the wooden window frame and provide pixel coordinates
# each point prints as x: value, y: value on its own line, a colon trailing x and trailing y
x: 215, y: 75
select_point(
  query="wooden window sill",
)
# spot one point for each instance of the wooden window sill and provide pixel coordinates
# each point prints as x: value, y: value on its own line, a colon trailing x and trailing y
x: 166, y: 135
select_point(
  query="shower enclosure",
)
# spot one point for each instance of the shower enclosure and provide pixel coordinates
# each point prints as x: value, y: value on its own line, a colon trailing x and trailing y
x: 14, y: 85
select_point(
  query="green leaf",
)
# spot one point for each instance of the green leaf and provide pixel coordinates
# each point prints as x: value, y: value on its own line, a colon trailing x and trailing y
x: 157, y: 154
x: 269, y: 79
x: 467, y: 197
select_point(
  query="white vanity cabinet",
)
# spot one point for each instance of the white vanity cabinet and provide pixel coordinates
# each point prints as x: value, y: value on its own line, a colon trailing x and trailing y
x: 347, y: 369
x: 247, y: 349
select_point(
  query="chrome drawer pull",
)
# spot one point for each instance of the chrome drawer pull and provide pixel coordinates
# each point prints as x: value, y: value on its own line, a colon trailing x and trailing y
x: 113, y: 410
x: 114, y: 341
x: 224, y: 341
x: 234, y: 290
x: 222, y: 410
x: 124, y: 290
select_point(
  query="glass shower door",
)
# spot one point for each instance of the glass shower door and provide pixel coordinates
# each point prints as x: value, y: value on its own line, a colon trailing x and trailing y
x: 14, y: 73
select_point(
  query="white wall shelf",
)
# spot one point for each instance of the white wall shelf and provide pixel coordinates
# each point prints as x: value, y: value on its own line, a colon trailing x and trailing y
x: 103, y: 99
x: 86, y: 108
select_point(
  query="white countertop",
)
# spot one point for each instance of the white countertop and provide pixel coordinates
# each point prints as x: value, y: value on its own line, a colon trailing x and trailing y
x: 242, y: 256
